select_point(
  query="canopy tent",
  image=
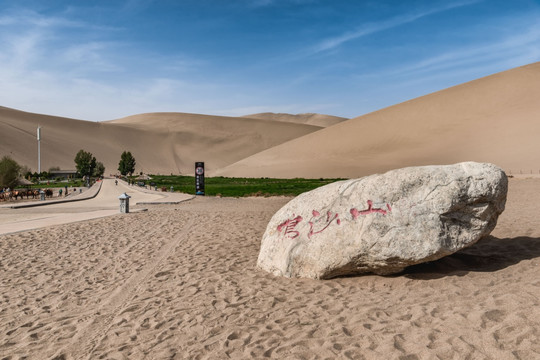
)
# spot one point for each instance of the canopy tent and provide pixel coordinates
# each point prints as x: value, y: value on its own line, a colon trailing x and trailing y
x: 23, y: 181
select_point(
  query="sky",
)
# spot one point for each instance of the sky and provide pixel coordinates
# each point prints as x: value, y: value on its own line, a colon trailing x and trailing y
x: 103, y: 60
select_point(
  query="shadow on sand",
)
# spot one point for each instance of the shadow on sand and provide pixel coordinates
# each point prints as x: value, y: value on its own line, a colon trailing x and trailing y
x: 487, y: 255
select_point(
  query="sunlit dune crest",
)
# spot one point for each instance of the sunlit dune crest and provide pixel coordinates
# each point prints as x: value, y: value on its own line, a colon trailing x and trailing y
x: 492, y: 119
x: 307, y: 118
x: 161, y: 143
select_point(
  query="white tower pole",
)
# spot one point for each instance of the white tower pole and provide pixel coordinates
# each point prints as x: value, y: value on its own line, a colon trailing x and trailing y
x: 39, y: 148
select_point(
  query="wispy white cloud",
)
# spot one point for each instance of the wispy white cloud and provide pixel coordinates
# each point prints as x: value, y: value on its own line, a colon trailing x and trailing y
x: 57, y: 65
x: 91, y: 57
x: 34, y: 42
x: 516, y: 44
x: 371, y: 28
x: 27, y: 17
x: 509, y: 51
x: 47, y: 68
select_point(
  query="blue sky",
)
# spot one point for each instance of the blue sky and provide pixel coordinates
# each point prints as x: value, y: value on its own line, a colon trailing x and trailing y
x: 101, y: 60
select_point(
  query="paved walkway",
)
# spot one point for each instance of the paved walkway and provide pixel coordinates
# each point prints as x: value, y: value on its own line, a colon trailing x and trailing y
x: 99, y: 201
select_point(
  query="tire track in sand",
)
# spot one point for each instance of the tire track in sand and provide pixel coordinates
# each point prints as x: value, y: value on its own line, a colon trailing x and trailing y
x: 62, y: 298
x: 88, y: 338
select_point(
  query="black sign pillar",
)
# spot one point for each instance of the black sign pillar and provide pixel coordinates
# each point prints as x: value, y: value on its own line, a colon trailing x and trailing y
x: 199, y: 178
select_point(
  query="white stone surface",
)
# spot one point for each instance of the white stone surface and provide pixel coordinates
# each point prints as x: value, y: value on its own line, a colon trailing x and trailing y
x: 384, y: 223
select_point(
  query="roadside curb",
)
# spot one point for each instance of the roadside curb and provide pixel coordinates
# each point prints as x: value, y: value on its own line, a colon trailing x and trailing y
x: 164, y: 202
x: 165, y: 195
x: 88, y: 194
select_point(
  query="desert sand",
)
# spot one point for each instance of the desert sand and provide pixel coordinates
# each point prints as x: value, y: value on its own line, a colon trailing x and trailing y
x: 162, y: 143
x: 307, y: 118
x: 492, y: 119
x: 180, y: 282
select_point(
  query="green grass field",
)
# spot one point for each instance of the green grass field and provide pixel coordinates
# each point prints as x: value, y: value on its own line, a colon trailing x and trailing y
x: 222, y: 186
x: 239, y: 187
x: 53, y: 184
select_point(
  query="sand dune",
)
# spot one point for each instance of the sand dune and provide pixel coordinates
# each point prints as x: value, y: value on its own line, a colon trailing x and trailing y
x: 493, y: 119
x: 307, y: 118
x: 160, y: 142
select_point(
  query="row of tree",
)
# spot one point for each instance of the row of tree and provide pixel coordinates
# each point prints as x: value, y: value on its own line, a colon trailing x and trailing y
x: 85, y: 163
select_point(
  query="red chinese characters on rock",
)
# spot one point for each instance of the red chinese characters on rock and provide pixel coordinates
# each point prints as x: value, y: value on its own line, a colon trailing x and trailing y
x: 370, y: 210
x: 325, y: 223
x: 288, y: 226
x: 318, y: 223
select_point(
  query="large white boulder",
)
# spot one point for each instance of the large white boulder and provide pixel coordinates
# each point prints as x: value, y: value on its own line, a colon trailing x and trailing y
x: 383, y: 223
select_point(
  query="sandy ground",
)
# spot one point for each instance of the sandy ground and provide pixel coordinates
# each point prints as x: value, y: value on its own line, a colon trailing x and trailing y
x: 180, y: 282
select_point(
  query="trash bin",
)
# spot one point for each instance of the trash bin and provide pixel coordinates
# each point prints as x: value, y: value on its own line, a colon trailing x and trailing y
x: 42, y: 195
x: 124, y: 203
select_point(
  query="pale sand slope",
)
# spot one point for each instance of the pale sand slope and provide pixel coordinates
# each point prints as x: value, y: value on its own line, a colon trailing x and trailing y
x: 180, y: 282
x: 493, y: 119
x: 307, y: 118
x: 216, y: 140
x: 161, y: 143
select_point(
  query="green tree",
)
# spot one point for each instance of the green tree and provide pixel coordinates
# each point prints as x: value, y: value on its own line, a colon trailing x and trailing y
x: 85, y: 163
x: 99, y: 170
x: 9, y: 172
x: 127, y: 163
